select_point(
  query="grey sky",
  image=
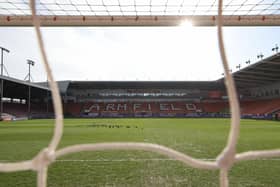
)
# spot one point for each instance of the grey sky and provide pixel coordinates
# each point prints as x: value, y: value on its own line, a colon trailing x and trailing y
x: 134, y: 53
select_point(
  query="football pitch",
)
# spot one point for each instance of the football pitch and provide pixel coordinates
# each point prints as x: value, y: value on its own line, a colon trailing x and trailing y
x: 201, y: 138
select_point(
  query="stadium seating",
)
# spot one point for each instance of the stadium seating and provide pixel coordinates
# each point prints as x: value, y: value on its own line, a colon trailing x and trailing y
x: 138, y: 109
x: 21, y: 110
x: 73, y: 109
x: 214, y: 107
x: 260, y: 106
x: 17, y: 110
x: 146, y: 109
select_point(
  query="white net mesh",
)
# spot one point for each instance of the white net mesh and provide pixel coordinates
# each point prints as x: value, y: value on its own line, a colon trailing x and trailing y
x: 224, y: 161
x: 140, y: 7
x: 145, y: 12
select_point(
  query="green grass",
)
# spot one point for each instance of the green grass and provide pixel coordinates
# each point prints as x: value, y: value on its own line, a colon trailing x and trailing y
x: 201, y: 138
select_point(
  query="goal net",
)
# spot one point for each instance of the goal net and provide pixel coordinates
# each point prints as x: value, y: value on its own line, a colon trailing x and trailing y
x: 139, y: 13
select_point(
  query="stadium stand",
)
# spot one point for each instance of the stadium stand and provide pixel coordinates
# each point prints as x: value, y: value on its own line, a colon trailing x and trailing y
x: 16, y: 110
x: 260, y: 106
x: 16, y: 103
x: 258, y: 88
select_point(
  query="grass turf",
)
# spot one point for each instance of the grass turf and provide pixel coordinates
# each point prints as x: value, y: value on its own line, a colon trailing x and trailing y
x: 201, y: 138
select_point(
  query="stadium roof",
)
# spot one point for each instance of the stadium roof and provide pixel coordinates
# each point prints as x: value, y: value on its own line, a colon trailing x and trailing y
x: 213, y: 85
x: 264, y: 72
x: 62, y: 85
x: 16, y: 88
x: 26, y: 83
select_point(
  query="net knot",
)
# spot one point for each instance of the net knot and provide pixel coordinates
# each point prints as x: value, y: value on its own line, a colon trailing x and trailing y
x: 226, y: 159
x: 43, y: 159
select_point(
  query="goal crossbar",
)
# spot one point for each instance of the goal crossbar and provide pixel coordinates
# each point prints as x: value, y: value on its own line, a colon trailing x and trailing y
x: 140, y: 12
x: 198, y: 20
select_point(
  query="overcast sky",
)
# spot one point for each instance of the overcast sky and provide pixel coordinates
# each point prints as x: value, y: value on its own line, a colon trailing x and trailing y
x: 96, y: 53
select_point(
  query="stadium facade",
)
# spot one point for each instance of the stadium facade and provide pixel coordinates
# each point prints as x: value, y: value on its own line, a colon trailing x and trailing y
x: 258, y: 88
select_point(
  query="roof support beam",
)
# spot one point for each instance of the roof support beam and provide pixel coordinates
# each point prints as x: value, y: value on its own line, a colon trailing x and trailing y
x: 273, y: 62
x: 249, y: 77
x: 264, y: 69
x: 273, y: 75
x: 251, y: 80
x: 247, y: 84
